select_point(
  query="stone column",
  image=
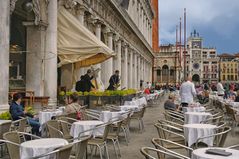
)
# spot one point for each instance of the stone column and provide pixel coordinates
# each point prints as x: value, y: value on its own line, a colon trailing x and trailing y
x: 107, y: 66
x: 118, y: 60
x: 135, y: 70
x: 125, y: 67
x: 139, y: 73
x: 4, y: 55
x: 50, y: 81
x: 131, y: 69
x: 80, y: 15
x: 98, y: 35
x: 144, y: 74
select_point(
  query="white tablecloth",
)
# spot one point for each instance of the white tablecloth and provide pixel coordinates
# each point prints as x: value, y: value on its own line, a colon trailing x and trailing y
x: 80, y: 126
x: 195, y: 117
x: 40, y: 146
x: 193, y: 109
x: 194, y: 131
x: 129, y: 107
x: 106, y: 116
x: 45, y: 116
x: 201, y: 154
x: 4, y: 121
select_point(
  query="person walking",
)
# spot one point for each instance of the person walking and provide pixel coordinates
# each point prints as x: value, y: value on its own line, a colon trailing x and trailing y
x: 187, y: 92
x: 220, y: 89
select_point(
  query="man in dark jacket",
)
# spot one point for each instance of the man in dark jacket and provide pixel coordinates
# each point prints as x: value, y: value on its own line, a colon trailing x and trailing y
x: 87, y: 81
x: 114, y: 81
x: 80, y: 85
x: 17, y: 111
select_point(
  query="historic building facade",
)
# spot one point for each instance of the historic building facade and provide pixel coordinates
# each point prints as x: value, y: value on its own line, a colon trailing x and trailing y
x: 201, y: 63
x: 28, y: 43
x: 229, y: 66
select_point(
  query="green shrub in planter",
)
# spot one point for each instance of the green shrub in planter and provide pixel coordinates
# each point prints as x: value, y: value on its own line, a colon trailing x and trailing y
x: 5, y: 116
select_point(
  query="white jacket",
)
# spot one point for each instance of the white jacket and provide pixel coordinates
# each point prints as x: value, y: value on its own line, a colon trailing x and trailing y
x: 187, y: 92
x: 220, y: 89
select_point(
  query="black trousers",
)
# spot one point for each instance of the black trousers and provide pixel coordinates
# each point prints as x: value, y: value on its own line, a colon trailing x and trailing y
x: 184, y: 104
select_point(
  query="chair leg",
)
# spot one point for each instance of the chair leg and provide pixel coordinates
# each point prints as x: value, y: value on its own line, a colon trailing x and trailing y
x: 100, y: 150
x: 106, y: 150
x: 115, y: 148
x: 118, y: 145
x: 91, y: 151
x: 125, y: 135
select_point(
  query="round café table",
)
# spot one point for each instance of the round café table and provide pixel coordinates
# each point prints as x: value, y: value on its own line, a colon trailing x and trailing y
x: 193, y: 109
x: 194, y: 131
x: 46, y: 115
x: 106, y: 116
x: 195, y: 117
x: 38, y: 147
x: 201, y: 154
x: 84, y: 125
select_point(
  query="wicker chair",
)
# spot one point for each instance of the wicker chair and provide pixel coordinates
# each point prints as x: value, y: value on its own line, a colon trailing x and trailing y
x: 139, y: 116
x: 19, y: 125
x: 125, y: 127
x: 15, y: 137
x: 4, y: 127
x: 114, y: 136
x: 234, y: 147
x: 160, y: 144
x: 13, y: 149
x: 100, y: 142
x: 80, y: 147
x: 145, y: 151
x: 169, y: 132
x: 219, y: 137
x: 53, y: 128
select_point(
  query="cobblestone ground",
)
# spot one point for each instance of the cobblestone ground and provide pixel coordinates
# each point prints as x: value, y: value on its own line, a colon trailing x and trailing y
x: 138, y: 140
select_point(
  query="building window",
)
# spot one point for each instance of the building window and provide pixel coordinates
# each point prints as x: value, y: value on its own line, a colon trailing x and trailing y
x: 236, y: 78
x: 223, y: 78
x: 232, y: 78
x: 228, y: 77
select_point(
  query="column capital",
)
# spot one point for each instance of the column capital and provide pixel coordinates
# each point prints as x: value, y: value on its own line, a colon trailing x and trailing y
x: 97, y: 22
x: 81, y: 9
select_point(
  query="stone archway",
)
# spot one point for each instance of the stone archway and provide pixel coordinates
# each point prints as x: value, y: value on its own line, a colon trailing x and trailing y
x: 165, y: 74
x: 196, y: 78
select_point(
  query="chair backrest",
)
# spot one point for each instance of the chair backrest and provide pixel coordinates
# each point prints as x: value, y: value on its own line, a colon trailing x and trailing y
x: 146, y: 152
x: 219, y: 137
x: 223, y: 136
x: 160, y: 144
x: 106, y: 131
x: 5, y: 127
x: 54, y: 129
x: 65, y: 126
x: 81, y: 146
x: 13, y: 150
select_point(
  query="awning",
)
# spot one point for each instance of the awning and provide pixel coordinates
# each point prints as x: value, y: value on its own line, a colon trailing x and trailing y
x: 76, y: 44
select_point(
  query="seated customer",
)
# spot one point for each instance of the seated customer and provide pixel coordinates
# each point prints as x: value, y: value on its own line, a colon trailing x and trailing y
x: 17, y: 111
x: 237, y: 97
x: 72, y: 104
x: 170, y: 105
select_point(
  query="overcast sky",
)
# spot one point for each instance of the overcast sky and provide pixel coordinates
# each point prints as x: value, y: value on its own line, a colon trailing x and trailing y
x: 217, y: 21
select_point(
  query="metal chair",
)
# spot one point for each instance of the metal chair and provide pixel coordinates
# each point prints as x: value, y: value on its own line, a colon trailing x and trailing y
x: 114, y: 136
x: 145, y: 151
x: 101, y: 142
x: 160, y: 144
x: 219, y: 138
x: 139, y: 116
x: 4, y: 127
x: 169, y: 132
x: 15, y: 137
x: 53, y: 128
x: 234, y: 147
x: 13, y: 149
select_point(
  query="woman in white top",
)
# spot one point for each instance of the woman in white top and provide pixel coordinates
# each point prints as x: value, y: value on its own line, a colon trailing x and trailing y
x: 220, y: 89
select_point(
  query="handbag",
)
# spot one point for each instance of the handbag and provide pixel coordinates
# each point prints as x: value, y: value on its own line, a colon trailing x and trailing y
x: 78, y: 114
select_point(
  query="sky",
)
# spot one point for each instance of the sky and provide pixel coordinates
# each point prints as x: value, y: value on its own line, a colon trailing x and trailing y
x: 217, y: 22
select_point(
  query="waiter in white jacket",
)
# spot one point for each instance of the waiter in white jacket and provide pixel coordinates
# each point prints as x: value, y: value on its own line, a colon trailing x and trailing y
x: 187, y: 92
